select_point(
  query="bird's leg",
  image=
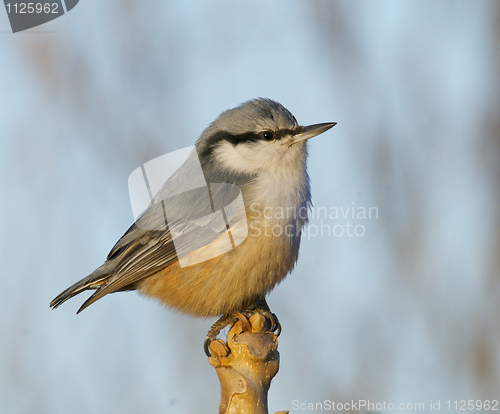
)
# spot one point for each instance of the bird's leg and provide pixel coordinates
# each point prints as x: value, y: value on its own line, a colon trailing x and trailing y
x: 258, y: 306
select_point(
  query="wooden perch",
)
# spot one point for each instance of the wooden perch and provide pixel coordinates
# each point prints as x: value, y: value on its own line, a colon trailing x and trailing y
x: 245, y: 365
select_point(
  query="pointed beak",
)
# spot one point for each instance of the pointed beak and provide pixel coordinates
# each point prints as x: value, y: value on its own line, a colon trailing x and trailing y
x: 303, y: 133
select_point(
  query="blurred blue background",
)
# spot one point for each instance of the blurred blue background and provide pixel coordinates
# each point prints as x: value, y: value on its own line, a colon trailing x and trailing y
x: 407, y: 313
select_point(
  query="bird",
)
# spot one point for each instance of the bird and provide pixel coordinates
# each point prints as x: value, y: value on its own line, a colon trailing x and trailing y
x: 252, y: 157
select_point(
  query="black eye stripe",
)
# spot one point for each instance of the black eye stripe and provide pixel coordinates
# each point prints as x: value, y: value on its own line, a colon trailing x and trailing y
x: 251, y: 136
x: 236, y: 139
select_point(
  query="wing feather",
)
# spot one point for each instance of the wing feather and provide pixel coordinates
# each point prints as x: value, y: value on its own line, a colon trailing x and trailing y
x: 148, y: 247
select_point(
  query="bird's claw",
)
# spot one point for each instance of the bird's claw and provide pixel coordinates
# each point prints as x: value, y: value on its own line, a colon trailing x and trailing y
x: 206, y: 345
x: 243, y: 317
x: 271, y: 317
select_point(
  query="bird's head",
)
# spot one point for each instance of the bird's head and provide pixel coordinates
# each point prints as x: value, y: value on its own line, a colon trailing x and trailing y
x: 256, y: 137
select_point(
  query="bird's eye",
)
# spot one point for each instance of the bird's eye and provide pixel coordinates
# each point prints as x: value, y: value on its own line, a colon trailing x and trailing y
x: 268, y: 135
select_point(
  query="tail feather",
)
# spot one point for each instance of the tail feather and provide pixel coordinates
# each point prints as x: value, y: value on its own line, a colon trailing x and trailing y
x: 90, y: 300
x: 91, y: 282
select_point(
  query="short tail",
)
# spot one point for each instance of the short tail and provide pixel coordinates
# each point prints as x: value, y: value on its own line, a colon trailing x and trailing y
x: 92, y: 282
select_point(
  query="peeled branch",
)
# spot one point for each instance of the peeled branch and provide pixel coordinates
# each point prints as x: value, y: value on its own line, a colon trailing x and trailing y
x: 245, y: 365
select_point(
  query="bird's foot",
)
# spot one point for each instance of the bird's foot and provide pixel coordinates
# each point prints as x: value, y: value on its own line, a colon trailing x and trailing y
x: 274, y: 323
x: 230, y: 319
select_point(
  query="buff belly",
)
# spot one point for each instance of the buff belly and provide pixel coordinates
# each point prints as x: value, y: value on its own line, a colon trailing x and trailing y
x: 227, y: 283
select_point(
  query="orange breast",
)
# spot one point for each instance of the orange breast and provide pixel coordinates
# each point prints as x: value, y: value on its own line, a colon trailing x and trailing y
x: 229, y: 282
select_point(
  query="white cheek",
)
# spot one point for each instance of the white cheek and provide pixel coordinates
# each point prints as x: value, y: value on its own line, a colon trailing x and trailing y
x: 281, y: 171
x: 285, y: 184
x: 257, y: 157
